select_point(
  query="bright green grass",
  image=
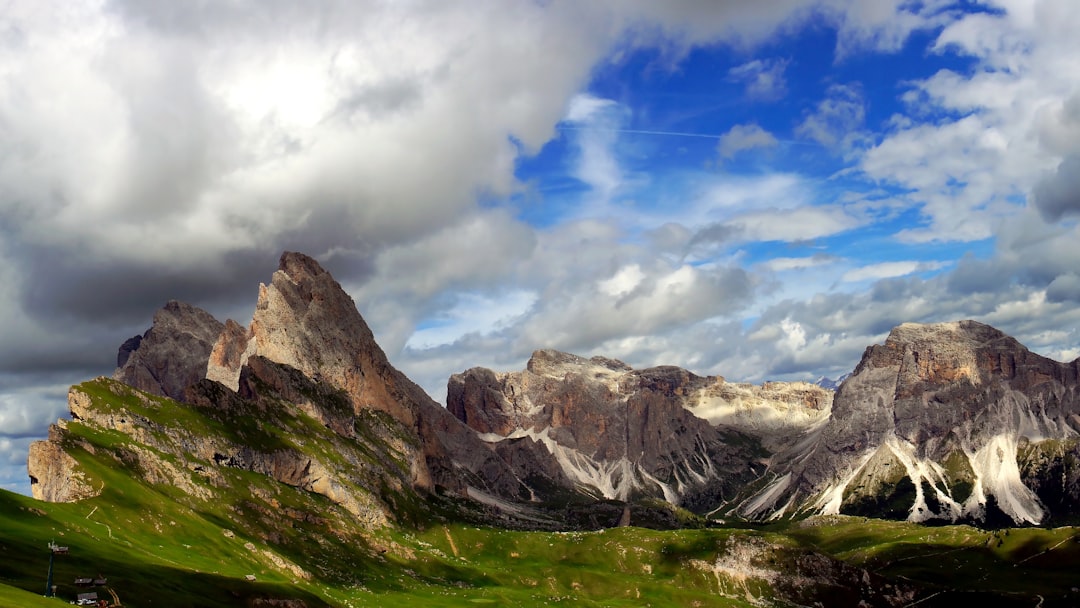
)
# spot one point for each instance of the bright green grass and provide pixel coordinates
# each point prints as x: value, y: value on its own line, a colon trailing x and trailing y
x: 185, y: 559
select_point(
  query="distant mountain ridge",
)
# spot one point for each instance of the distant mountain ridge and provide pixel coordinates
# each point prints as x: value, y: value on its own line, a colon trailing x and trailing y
x: 947, y: 421
x: 617, y: 432
x: 829, y: 383
x: 950, y: 421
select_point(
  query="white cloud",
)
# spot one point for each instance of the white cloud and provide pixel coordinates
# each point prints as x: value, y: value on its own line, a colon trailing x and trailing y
x: 472, y: 314
x: 744, y: 137
x: 799, y: 224
x: 764, y: 78
x: 837, y: 121
x: 886, y: 270
x: 803, y: 263
x: 977, y: 143
x: 584, y: 108
x: 624, y: 281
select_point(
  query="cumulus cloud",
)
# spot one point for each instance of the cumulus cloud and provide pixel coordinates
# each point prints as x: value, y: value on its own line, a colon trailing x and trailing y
x: 744, y: 137
x: 1064, y: 288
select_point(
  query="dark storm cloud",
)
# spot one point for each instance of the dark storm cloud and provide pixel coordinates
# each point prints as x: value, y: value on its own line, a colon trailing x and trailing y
x: 973, y: 275
x: 66, y: 285
x: 1057, y: 195
x: 1064, y: 289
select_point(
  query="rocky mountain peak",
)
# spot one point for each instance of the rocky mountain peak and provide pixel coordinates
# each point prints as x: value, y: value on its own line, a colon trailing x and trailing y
x: 936, y: 419
x: 299, y: 266
x: 942, y: 353
x: 310, y: 330
x: 304, y: 319
x: 172, y: 354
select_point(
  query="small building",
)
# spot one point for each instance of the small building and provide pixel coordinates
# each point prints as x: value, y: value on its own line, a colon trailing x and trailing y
x: 84, y: 582
x: 86, y: 599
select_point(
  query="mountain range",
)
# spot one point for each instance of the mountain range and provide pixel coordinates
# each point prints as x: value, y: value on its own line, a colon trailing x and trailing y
x: 947, y: 422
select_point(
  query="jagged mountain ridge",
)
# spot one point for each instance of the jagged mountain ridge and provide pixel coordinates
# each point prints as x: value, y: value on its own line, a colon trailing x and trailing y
x: 662, y: 432
x: 950, y: 421
x: 305, y: 321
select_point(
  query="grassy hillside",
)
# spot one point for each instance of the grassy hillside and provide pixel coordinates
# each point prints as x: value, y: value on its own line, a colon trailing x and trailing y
x: 157, y: 553
x: 236, y: 537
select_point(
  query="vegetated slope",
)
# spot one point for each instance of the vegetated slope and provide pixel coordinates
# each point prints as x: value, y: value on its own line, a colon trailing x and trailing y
x: 948, y: 421
x: 159, y: 549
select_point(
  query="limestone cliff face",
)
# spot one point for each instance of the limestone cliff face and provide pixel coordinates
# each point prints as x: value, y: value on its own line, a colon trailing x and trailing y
x: 304, y: 319
x: 231, y: 351
x: 54, y: 475
x: 933, y: 419
x: 626, y: 432
x: 172, y: 354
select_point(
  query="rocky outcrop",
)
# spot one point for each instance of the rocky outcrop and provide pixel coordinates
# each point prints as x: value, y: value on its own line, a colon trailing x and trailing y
x: 933, y: 420
x: 187, y: 446
x: 623, y: 433
x: 129, y: 346
x: 54, y: 475
x: 305, y: 320
x: 779, y: 414
x: 231, y: 351
x: 172, y: 354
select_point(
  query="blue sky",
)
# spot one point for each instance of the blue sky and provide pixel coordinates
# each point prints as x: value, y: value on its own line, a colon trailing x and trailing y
x: 757, y: 190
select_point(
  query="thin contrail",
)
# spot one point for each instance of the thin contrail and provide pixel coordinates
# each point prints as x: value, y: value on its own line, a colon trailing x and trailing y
x: 672, y: 134
x: 641, y: 132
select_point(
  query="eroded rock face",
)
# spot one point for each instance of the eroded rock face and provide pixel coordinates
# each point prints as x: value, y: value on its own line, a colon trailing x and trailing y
x: 626, y: 432
x: 304, y: 319
x: 186, y: 446
x: 55, y: 475
x: 230, y: 352
x: 934, y: 418
x: 172, y: 354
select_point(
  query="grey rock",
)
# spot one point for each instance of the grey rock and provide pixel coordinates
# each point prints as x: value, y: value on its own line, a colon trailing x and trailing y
x: 935, y: 417
x: 173, y: 353
x: 599, y: 426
